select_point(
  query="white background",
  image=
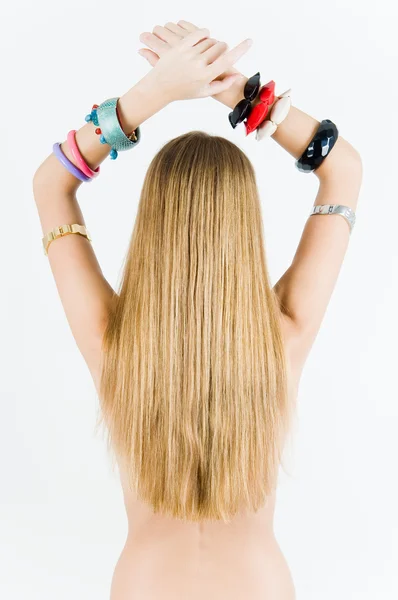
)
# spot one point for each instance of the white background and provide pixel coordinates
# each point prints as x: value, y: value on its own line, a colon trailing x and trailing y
x: 62, y: 521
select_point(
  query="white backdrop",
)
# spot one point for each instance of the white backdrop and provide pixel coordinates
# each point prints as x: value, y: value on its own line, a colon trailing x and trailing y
x: 62, y: 522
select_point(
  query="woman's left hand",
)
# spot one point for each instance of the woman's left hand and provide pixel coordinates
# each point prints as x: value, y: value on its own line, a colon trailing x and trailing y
x: 190, y: 67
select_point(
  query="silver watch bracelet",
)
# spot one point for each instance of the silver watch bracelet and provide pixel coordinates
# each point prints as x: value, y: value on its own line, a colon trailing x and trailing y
x: 335, y: 209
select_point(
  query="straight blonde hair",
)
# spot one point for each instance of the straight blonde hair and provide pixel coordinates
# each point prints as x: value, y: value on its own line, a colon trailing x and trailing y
x: 193, y: 391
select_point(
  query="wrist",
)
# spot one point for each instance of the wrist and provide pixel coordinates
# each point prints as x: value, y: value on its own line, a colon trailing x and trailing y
x: 140, y: 103
x: 233, y: 94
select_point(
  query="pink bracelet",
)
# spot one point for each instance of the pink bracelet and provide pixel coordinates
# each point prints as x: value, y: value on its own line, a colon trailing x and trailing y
x: 81, y: 163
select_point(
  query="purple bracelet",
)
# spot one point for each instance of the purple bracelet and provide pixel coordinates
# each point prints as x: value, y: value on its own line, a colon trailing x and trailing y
x: 68, y: 164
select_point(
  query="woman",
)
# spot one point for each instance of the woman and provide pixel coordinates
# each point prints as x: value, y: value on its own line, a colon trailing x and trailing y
x: 197, y: 359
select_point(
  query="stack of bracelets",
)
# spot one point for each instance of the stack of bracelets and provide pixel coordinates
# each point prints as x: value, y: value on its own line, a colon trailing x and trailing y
x: 255, y: 118
x: 107, y: 125
x: 106, y: 121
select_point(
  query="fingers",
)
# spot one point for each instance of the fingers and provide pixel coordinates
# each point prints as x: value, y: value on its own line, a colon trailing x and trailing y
x: 176, y: 29
x: 150, y: 56
x: 166, y: 35
x: 216, y: 87
x: 187, y: 25
x: 214, y: 51
x: 194, y: 37
x: 154, y: 43
x: 224, y: 62
x: 205, y: 44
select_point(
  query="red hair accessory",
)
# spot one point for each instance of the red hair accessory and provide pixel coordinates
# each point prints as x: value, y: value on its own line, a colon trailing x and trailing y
x: 260, y: 111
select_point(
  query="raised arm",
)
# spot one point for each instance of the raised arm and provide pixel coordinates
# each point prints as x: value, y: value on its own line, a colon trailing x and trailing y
x: 85, y: 294
x: 187, y: 72
x: 305, y: 288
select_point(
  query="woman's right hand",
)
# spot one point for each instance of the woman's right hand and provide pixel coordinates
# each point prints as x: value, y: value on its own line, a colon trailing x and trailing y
x: 227, y: 85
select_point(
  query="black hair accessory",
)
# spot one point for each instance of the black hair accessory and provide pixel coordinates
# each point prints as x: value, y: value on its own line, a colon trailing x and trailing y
x: 243, y: 109
x: 319, y: 147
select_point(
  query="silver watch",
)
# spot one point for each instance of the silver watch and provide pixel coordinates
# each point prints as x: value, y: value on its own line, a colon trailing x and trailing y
x: 335, y: 209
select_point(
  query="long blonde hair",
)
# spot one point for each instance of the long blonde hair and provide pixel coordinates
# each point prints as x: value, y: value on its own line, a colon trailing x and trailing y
x: 193, y: 391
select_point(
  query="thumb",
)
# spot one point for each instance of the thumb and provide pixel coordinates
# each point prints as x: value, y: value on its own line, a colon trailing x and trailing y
x: 216, y: 87
x: 150, y: 56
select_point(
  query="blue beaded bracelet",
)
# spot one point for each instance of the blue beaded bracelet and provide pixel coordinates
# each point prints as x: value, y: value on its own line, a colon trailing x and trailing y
x: 105, y: 119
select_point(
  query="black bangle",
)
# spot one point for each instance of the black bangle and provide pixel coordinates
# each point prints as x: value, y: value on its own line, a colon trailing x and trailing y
x: 243, y: 109
x: 319, y: 147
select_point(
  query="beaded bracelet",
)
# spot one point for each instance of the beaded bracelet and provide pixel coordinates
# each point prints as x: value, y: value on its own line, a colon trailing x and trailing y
x: 279, y: 112
x: 243, y: 109
x: 266, y: 96
x: 319, y: 148
x: 105, y: 118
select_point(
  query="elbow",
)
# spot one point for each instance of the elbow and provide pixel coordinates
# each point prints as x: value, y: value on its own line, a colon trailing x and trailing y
x: 354, y: 160
x: 344, y: 160
x: 52, y: 177
x: 38, y: 184
x: 41, y: 177
x: 37, y: 180
x: 45, y: 172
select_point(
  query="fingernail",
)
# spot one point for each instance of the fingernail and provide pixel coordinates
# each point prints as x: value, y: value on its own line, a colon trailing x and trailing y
x: 249, y: 41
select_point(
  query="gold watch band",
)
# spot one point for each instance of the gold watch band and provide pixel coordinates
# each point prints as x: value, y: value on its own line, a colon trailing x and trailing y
x: 63, y: 230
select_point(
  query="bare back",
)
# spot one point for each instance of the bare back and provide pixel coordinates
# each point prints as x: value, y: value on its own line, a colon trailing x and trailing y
x: 163, y: 557
x: 167, y: 559
x: 170, y: 559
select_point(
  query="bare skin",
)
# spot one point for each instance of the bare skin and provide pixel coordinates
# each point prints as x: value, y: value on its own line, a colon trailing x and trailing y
x: 169, y: 559
x: 165, y: 558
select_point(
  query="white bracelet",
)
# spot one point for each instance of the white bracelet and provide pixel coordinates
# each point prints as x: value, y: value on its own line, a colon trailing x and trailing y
x: 279, y: 112
x: 335, y: 209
